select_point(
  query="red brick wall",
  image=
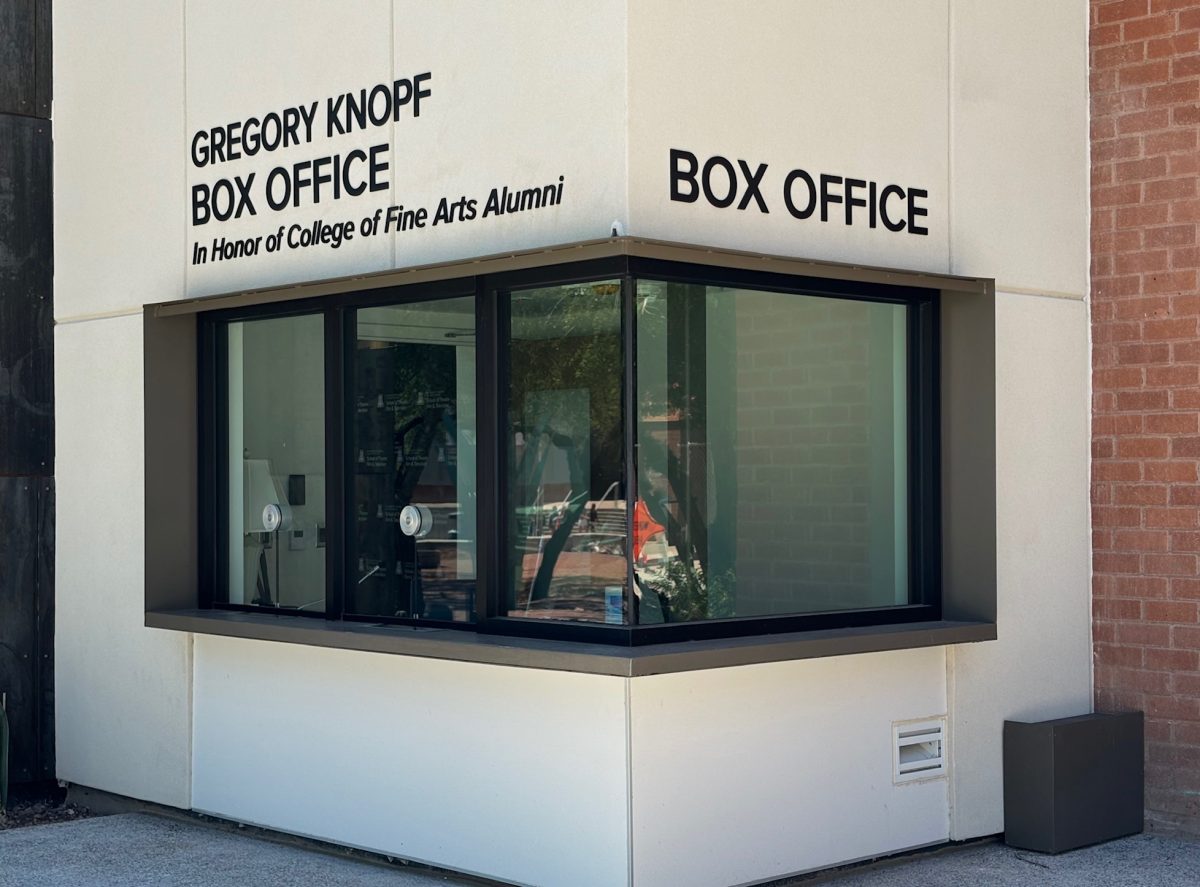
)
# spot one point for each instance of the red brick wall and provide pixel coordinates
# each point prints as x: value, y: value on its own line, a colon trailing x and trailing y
x: 1145, y: 58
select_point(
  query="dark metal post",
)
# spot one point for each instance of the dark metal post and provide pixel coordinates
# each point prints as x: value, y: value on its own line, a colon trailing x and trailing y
x: 26, y: 392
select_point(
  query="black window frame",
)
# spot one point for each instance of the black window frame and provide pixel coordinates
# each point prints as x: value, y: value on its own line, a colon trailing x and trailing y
x: 490, y: 291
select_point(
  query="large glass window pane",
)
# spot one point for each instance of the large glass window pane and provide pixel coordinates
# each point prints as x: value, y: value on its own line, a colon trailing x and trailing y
x: 771, y: 453
x: 275, y: 465
x: 414, y: 494
x: 567, y: 510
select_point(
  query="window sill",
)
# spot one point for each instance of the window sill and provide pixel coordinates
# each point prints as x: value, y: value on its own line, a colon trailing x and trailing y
x: 465, y: 646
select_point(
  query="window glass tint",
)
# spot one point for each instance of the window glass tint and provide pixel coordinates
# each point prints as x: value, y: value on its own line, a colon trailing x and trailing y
x: 771, y: 453
x: 414, y: 448
x: 565, y: 455
x: 275, y: 465
x: 770, y: 472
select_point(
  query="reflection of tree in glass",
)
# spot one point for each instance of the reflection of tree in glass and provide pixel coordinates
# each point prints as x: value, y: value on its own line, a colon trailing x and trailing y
x: 422, y: 388
x: 564, y: 338
x: 671, y: 322
x: 426, y: 377
x: 556, y: 544
x: 573, y: 341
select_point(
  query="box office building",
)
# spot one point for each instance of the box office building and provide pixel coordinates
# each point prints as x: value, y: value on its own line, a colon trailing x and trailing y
x: 608, y: 443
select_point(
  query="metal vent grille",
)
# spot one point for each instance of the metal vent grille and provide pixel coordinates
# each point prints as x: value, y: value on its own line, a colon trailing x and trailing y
x: 918, y: 750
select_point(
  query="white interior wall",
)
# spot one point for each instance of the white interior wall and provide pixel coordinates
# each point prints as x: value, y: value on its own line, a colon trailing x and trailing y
x: 519, y: 774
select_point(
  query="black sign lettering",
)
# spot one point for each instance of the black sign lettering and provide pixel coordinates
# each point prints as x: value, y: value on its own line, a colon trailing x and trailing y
x: 789, y: 194
x: 753, y: 183
x: 686, y: 176
x: 862, y: 201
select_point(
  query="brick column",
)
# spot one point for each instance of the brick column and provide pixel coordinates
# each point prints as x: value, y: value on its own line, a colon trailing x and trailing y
x: 1145, y: 97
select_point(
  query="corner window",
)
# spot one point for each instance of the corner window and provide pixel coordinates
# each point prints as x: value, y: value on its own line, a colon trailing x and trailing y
x: 772, y: 453
x: 624, y: 451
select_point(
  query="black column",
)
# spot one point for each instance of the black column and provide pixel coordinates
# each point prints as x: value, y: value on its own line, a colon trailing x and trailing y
x: 26, y: 388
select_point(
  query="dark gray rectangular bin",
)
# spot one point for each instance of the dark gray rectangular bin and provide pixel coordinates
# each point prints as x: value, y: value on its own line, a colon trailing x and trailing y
x: 1072, y: 781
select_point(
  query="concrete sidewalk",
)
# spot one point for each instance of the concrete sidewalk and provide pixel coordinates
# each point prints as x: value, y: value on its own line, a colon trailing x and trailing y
x: 142, y: 849
x: 1140, y: 861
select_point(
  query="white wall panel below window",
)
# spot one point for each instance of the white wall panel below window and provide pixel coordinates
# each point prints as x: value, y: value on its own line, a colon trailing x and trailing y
x: 518, y: 774
x: 742, y: 774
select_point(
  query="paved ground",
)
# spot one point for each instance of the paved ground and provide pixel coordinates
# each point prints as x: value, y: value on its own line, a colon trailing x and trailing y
x: 1140, y: 861
x: 141, y: 850
x: 134, y: 849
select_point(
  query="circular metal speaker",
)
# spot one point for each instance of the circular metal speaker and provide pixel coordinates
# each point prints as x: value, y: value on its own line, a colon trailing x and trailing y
x: 416, y: 520
x: 272, y: 517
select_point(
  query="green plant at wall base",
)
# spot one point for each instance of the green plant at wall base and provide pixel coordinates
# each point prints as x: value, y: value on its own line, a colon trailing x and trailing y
x: 3, y: 759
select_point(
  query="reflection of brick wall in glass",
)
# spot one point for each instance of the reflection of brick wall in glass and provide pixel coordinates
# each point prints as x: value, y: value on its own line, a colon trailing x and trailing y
x: 772, y: 453
x: 816, y: 497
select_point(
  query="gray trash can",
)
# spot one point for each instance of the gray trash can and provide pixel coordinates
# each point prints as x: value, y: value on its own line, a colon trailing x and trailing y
x: 1071, y: 782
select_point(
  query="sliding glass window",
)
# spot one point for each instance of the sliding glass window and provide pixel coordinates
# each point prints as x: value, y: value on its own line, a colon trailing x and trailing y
x: 274, y: 463
x: 413, y: 528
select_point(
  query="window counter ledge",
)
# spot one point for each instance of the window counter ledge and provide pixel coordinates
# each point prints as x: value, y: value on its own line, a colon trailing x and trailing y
x: 465, y: 646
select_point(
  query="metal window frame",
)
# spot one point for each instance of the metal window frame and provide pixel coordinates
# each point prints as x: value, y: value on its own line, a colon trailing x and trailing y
x: 953, y: 564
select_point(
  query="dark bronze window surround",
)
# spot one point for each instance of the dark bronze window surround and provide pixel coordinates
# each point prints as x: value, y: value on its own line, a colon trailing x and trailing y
x: 179, y: 579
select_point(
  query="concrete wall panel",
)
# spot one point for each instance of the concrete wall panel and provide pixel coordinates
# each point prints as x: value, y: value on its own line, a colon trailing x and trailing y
x: 516, y: 773
x: 1040, y: 667
x: 793, y: 85
x: 123, y: 690
x: 1018, y: 139
x: 249, y: 61
x: 742, y: 774
x: 488, y: 123
x: 119, y: 220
